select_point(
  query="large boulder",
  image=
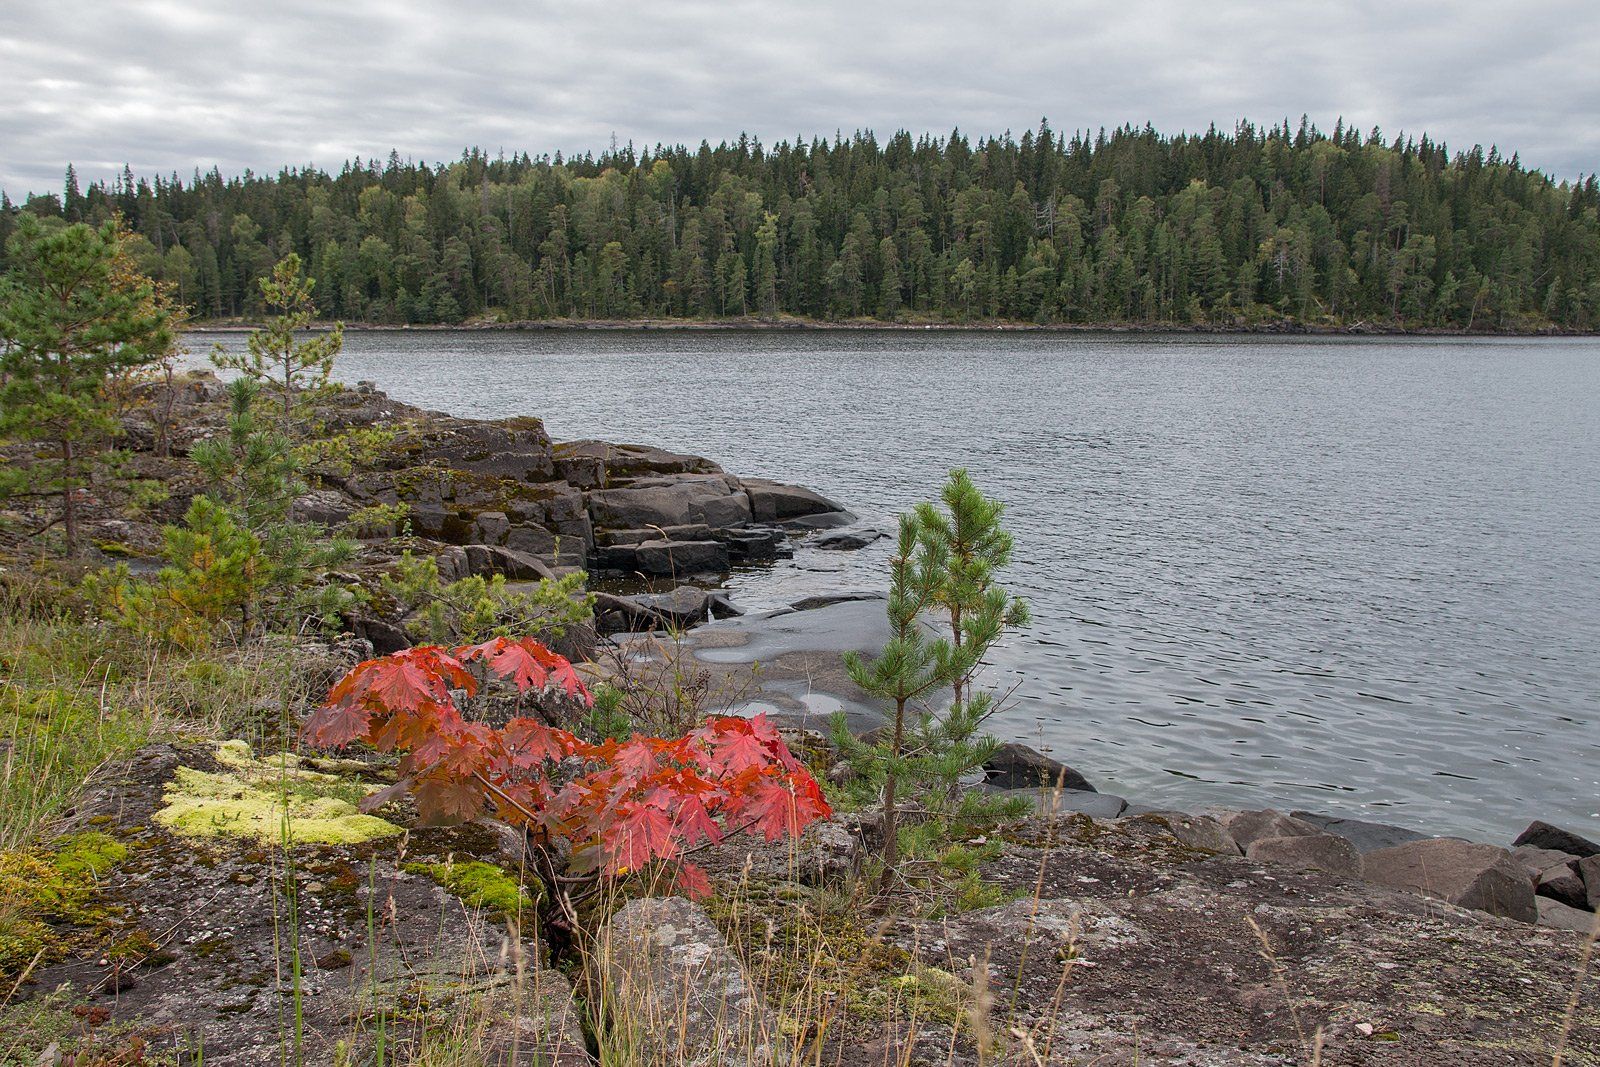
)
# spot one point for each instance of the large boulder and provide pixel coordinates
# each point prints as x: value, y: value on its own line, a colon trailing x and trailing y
x: 1248, y: 827
x: 776, y: 502
x: 1016, y: 766
x: 516, y: 449
x: 489, y: 560
x: 712, y: 499
x: 673, y: 559
x: 1554, y: 874
x: 1543, y: 835
x: 1313, y: 852
x: 602, y: 465
x: 682, y: 608
x: 1589, y: 868
x: 1465, y: 873
x: 676, y: 992
x: 1366, y: 836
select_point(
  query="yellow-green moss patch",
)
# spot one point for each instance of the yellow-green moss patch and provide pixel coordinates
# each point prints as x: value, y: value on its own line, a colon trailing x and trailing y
x: 38, y: 888
x: 482, y: 885
x: 265, y: 799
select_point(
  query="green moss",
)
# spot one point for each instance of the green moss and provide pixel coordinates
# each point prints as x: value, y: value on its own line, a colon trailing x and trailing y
x: 42, y: 888
x: 260, y: 800
x: 482, y: 885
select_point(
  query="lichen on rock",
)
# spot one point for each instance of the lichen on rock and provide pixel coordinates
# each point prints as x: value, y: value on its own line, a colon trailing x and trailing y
x: 266, y: 800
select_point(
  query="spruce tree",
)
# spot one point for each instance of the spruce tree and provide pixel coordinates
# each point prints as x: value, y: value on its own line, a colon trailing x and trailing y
x: 73, y: 315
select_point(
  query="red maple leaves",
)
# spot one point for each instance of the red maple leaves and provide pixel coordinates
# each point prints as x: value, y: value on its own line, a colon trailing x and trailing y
x: 622, y: 804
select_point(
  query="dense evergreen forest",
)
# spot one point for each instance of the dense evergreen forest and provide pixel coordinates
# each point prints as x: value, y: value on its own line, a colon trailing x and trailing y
x: 1126, y: 227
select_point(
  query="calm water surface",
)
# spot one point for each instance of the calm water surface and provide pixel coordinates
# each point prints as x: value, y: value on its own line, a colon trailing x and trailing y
x: 1347, y: 574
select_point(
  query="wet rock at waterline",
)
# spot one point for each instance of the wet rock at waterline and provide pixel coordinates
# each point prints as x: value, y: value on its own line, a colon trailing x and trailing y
x: 1543, y: 835
x: 1015, y: 766
x: 1365, y: 836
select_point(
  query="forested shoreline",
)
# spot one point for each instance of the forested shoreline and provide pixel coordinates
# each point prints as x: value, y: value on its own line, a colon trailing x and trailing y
x: 1262, y: 228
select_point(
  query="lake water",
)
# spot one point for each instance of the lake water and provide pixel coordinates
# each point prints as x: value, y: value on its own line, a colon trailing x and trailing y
x: 1350, y: 574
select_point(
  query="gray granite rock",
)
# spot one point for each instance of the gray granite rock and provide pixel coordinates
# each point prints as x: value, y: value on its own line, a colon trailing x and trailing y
x: 1247, y: 827
x: 1543, y: 835
x: 1559, y: 916
x: 671, y: 983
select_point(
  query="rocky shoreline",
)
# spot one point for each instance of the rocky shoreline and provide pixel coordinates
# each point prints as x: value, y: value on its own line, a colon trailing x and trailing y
x: 789, y: 323
x: 501, y: 497
x: 1113, y: 933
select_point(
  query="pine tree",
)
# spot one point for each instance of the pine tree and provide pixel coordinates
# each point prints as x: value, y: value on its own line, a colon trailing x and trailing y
x: 73, y: 315
x: 273, y: 354
x: 944, y: 563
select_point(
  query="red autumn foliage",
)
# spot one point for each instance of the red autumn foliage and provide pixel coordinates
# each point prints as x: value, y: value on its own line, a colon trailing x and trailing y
x: 629, y: 803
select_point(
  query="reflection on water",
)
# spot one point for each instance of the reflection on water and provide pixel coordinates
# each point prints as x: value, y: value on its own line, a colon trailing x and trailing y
x: 1354, y: 574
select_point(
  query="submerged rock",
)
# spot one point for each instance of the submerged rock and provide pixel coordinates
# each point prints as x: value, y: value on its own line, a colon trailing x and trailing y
x: 1016, y: 765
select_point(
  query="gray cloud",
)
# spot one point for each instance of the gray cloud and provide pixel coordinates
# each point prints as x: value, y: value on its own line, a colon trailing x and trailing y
x: 171, y: 85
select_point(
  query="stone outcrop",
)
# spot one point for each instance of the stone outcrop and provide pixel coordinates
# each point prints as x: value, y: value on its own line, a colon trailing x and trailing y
x: 677, y: 992
x: 1248, y: 827
x: 1471, y: 875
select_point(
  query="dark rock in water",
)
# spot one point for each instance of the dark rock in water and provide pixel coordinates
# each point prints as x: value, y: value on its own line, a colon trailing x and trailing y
x: 1366, y: 836
x: 1470, y: 875
x: 1313, y: 852
x: 824, y: 600
x: 826, y: 520
x: 671, y: 559
x: 848, y: 540
x: 1083, y: 801
x: 682, y: 608
x: 1543, y: 835
x: 753, y: 543
x: 1559, y: 916
x: 696, y: 531
x: 774, y: 501
x: 1016, y: 766
x: 1248, y: 827
x: 600, y: 464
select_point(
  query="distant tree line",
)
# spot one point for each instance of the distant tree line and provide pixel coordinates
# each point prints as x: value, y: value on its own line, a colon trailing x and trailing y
x: 1126, y: 227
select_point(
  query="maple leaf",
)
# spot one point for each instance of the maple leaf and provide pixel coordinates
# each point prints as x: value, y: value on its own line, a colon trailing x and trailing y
x: 694, y: 822
x: 443, y: 800
x: 734, y: 750
x: 693, y: 881
x: 530, y: 742
x: 785, y: 806
x: 336, y: 725
x: 642, y: 834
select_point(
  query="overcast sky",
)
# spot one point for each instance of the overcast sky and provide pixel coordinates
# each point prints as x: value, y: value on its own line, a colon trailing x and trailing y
x: 168, y: 85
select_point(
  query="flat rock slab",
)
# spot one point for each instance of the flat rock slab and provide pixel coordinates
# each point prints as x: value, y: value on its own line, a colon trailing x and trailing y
x: 1141, y: 950
x: 1313, y: 852
x: 1365, y: 836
